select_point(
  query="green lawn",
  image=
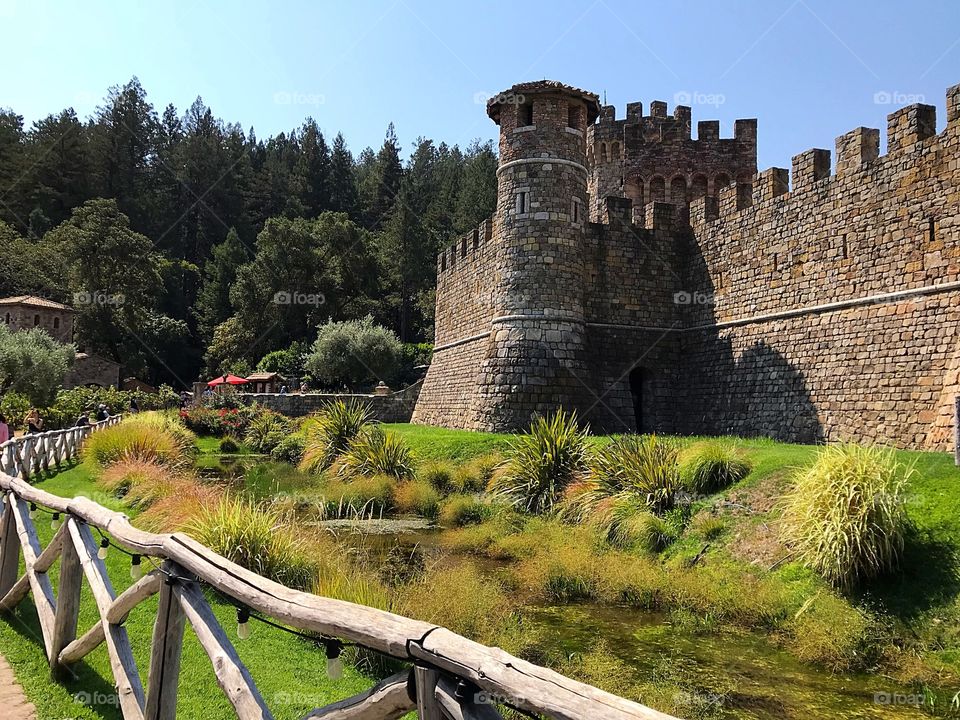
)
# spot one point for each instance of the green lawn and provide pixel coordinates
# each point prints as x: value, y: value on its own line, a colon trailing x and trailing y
x: 289, y: 672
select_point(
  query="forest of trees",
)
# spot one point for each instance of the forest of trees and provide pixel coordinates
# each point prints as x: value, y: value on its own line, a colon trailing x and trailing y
x: 173, y: 235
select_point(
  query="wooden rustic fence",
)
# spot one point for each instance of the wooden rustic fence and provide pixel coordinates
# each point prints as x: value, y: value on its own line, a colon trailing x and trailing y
x: 450, y: 677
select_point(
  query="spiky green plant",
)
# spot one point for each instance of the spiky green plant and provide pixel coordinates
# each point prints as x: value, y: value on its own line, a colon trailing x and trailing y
x: 640, y: 466
x: 845, y: 514
x: 329, y: 433
x: 626, y: 522
x: 375, y: 452
x: 712, y: 466
x: 266, y: 430
x: 542, y: 462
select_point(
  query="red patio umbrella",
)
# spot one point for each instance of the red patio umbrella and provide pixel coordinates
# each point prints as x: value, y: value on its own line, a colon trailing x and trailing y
x: 228, y: 379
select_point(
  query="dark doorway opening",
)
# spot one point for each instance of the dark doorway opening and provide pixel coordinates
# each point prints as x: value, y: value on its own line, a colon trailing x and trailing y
x: 636, y: 391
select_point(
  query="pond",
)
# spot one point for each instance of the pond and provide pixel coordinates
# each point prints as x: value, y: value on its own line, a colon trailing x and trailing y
x: 727, y: 674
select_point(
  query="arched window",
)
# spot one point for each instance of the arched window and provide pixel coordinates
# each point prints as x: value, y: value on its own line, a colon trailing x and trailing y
x: 720, y: 182
x: 658, y: 191
x: 36, y: 320
x: 603, y: 152
x: 56, y: 323
x: 678, y: 191
x: 699, y: 188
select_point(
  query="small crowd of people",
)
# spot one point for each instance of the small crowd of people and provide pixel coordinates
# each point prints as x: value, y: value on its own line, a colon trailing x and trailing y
x: 33, y: 422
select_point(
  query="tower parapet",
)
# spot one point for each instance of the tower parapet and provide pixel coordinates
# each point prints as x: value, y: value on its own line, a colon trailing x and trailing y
x: 653, y: 158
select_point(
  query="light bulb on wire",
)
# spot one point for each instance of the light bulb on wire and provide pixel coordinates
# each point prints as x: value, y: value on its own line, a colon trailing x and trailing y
x: 55, y: 521
x: 243, y: 623
x: 334, y: 662
x: 33, y: 511
x: 104, y: 547
x: 136, y: 568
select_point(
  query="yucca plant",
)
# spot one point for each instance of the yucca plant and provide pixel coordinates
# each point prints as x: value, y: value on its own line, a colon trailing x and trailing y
x: 845, y: 514
x: 542, y: 462
x: 712, y: 466
x: 375, y: 452
x: 329, y: 433
x: 642, y: 466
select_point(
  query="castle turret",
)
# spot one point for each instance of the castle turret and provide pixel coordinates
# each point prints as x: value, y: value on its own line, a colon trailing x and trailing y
x: 534, y: 359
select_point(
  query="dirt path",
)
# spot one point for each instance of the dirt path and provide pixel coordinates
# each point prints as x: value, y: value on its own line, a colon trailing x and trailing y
x: 12, y: 700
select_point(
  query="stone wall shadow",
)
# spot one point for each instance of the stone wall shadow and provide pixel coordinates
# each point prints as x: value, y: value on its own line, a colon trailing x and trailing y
x: 736, y: 387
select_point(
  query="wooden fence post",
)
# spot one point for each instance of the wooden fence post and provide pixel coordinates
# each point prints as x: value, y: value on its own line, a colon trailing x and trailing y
x: 165, y: 656
x: 427, y: 706
x: 68, y: 603
x: 9, y: 549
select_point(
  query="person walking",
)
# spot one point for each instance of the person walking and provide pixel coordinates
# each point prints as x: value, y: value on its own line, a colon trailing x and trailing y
x: 102, y: 413
x: 34, y: 422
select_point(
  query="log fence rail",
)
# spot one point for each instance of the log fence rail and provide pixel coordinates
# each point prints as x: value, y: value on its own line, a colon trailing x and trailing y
x: 450, y: 677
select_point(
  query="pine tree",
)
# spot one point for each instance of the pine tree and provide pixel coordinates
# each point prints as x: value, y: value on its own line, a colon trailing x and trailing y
x: 219, y: 272
x: 343, y: 187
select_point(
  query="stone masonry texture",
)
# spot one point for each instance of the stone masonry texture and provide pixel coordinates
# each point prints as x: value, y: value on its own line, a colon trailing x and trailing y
x: 657, y: 283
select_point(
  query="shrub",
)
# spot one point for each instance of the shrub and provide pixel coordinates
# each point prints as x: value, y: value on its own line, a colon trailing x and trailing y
x: 256, y: 538
x: 474, y: 475
x: 329, y: 433
x: 439, y: 474
x: 265, y: 430
x: 417, y: 496
x: 148, y: 437
x: 32, y: 363
x: 845, y: 514
x: 360, y: 496
x: 375, y: 452
x: 462, y: 510
x: 290, y: 449
x: 713, y: 466
x: 229, y: 445
x: 542, y: 463
x: 14, y: 407
x: 215, y: 422
x: 353, y: 352
x: 626, y: 522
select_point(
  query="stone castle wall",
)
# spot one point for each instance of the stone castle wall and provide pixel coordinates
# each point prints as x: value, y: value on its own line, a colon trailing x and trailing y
x: 820, y: 311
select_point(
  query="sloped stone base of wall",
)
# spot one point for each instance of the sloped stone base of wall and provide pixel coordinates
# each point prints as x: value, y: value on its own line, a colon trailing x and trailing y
x: 450, y: 386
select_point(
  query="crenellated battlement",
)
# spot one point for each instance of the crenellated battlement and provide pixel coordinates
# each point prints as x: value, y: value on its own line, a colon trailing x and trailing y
x: 910, y: 130
x: 465, y: 249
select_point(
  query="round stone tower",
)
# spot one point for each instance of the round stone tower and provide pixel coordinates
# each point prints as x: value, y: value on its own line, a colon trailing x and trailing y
x: 535, y: 359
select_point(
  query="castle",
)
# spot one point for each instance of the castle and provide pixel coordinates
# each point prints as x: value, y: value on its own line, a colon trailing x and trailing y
x: 657, y: 283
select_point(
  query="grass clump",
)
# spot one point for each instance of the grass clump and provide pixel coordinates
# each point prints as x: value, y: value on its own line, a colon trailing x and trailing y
x: 375, y: 452
x: 330, y: 433
x: 229, y: 445
x: 266, y: 430
x: 713, y: 466
x: 463, y: 510
x: 148, y: 437
x: 439, y: 473
x: 418, y: 497
x: 254, y: 537
x: 359, y: 496
x: 845, y: 514
x: 542, y: 463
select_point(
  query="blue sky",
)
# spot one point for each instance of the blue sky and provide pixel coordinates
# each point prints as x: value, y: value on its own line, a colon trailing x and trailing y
x: 808, y: 69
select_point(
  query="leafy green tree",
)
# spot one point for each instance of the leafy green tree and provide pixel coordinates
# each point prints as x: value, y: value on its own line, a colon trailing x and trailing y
x: 30, y: 267
x: 33, y: 364
x: 353, y: 352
